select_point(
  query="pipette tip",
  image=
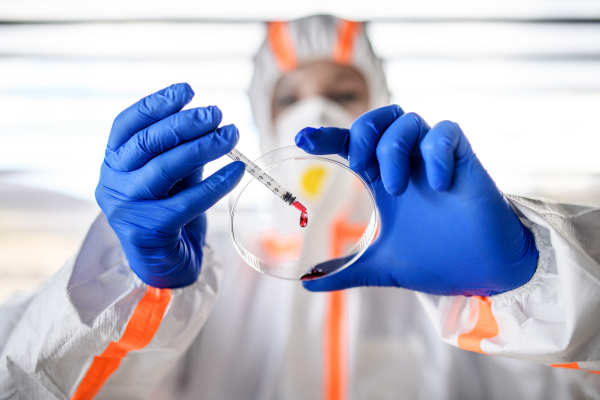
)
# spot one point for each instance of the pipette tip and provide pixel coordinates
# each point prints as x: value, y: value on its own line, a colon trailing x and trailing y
x: 299, y: 206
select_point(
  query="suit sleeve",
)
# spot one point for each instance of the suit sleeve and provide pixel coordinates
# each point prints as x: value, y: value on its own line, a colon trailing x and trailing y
x: 554, y: 318
x: 95, y: 330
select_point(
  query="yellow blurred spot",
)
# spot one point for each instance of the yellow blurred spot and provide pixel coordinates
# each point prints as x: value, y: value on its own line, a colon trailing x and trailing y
x: 313, y: 180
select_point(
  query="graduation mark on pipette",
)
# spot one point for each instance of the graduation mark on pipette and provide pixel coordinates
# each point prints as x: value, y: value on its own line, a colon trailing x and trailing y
x: 271, y: 184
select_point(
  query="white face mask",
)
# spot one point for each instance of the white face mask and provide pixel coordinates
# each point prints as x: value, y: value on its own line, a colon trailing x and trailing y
x: 313, y: 111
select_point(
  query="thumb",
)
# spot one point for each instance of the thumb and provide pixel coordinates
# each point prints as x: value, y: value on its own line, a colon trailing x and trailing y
x: 363, y: 272
x: 323, y: 141
x: 195, y: 200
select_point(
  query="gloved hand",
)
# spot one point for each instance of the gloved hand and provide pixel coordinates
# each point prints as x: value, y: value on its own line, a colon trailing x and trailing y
x: 446, y: 229
x: 151, y: 188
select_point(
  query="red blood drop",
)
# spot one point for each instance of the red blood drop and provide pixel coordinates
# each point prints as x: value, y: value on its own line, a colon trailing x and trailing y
x: 304, y: 215
x: 304, y: 219
x: 312, y: 274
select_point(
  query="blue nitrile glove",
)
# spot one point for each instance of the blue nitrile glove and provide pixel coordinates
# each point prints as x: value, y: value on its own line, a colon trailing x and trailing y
x: 151, y: 188
x: 445, y: 227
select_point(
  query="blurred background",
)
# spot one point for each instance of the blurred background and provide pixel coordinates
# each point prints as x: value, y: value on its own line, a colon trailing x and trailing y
x: 522, y: 78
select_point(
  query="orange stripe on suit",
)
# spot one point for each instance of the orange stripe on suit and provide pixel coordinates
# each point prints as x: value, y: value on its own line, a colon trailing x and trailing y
x: 140, y: 330
x: 486, y: 326
x: 335, y: 333
x: 282, y: 45
x: 346, y: 40
x: 573, y: 365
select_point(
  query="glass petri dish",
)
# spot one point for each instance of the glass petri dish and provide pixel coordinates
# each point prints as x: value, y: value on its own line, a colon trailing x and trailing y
x: 342, y: 216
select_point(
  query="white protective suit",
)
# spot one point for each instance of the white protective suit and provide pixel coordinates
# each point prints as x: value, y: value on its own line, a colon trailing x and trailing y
x: 94, y: 330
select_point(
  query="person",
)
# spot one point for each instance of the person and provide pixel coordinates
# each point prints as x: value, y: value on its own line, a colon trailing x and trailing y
x: 134, y: 313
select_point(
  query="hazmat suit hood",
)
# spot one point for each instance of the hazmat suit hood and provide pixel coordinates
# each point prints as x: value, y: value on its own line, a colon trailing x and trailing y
x: 291, y: 44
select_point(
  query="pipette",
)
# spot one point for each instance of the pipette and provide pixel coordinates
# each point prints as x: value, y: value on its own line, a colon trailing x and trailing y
x: 270, y: 184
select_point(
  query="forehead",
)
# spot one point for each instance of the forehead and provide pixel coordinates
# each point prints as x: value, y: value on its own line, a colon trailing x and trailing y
x: 319, y: 74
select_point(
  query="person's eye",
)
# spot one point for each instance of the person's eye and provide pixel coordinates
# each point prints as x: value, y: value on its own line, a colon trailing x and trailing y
x: 344, y: 97
x: 285, y: 101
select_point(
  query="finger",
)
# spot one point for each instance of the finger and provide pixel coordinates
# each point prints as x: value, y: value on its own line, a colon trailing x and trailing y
x: 147, y: 111
x: 163, y: 136
x: 338, y: 281
x: 362, y: 273
x: 362, y: 136
x: 196, y: 231
x: 397, y: 144
x: 443, y: 146
x: 370, y: 271
x: 194, y: 201
x: 324, y: 141
x: 159, y: 175
x: 192, y: 179
x: 196, y: 228
x: 365, y: 133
